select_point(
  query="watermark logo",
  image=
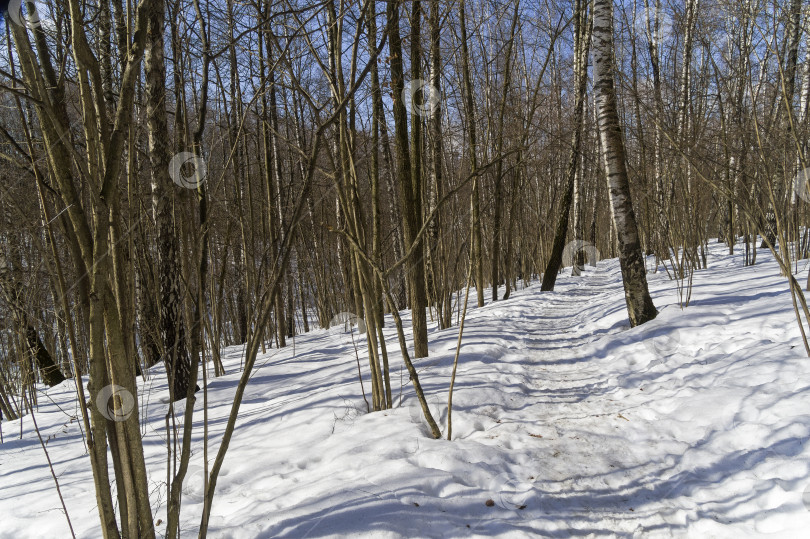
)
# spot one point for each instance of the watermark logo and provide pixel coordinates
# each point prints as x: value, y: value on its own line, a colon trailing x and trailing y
x: 418, y: 415
x: 385, y: 482
x: 115, y: 403
x: 653, y: 22
x: 681, y: 484
x: 770, y: 330
x: 194, y: 484
x: 512, y: 493
x: 570, y: 252
x: 420, y: 97
x: 663, y: 344
x: 348, y: 327
x: 28, y: 13
x: 801, y: 184
x: 188, y: 170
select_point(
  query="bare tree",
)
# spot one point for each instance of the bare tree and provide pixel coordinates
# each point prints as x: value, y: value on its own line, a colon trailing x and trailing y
x: 640, y: 307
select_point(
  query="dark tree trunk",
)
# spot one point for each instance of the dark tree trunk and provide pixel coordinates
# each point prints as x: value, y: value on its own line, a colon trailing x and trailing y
x: 409, y: 193
x: 172, y: 332
x: 48, y: 369
x: 581, y: 65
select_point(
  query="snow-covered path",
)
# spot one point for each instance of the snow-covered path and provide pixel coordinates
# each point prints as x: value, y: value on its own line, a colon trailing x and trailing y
x: 565, y: 423
x: 574, y: 425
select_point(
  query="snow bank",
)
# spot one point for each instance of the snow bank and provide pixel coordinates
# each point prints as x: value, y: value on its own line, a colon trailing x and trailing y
x: 566, y: 422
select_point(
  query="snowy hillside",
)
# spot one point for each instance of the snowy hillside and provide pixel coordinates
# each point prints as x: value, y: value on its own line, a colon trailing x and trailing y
x: 565, y: 423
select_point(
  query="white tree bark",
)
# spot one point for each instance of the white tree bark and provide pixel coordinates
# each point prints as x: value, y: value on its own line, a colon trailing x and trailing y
x: 639, y: 304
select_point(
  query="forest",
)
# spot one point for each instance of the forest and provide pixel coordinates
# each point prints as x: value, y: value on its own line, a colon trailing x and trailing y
x: 192, y: 188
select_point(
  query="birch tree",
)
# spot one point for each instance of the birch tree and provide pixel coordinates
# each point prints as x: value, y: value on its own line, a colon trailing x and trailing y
x: 640, y: 307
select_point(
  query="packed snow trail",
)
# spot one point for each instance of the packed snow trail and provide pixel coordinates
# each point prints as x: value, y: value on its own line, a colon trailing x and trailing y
x: 566, y: 423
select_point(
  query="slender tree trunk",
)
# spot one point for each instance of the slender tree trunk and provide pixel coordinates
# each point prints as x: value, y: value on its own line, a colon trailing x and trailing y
x: 436, y: 244
x: 411, y: 205
x: 582, y: 42
x: 495, y: 255
x: 634, y: 275
x: 171, y: 326
x: 469, y: 111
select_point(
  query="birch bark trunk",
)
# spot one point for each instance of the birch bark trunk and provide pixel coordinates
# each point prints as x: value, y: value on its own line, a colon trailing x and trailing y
x: 639, y: 304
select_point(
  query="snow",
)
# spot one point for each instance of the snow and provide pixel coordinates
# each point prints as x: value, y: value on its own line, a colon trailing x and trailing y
x: 572, y: 424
